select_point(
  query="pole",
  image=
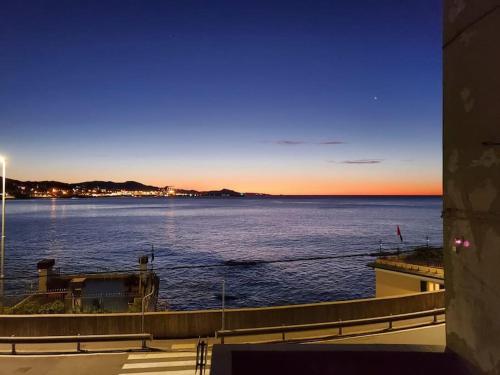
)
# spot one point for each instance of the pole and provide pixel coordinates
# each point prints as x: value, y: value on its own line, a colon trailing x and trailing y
x: 427, y: 240
x: 3, y: 232
x: 223, y: 301
x: 380, y: 246
x: 142, y: 315
x: 152, y: 256
x: 3, y: 220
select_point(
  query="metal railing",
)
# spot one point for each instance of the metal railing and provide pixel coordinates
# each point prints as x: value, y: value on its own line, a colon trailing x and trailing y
x: 201, y: 356
x: 439, y: 271
x: 61, y: 301
x: 340, y: 325
x: 78, y: 339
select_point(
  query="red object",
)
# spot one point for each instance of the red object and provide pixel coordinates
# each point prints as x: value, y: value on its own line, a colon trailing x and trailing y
x: 398, y: 231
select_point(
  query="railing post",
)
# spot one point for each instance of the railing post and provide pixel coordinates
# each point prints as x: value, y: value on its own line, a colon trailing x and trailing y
x: 201, y: 357
x: 13, y: 346
x: 78, y: 348
x: 283, y: 333
x: 197, y: 355
x: 390, y: 322
x: 340, y: 327
x: 223, y: 300
x: 435, y: 319
x: 206, y: 356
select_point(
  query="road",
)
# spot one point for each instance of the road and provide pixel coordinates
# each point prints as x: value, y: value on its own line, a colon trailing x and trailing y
x: 171, y: 357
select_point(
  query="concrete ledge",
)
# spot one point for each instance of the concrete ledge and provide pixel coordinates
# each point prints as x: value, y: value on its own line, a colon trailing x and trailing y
x: 184, y: 324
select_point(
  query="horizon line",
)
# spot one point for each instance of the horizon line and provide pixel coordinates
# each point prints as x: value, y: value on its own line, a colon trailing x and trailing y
x: 242, y: 191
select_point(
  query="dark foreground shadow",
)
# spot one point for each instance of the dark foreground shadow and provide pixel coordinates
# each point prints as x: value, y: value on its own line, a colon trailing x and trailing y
x: 335, y: 359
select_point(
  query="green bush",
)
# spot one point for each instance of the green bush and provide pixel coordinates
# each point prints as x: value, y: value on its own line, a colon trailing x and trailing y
x: 34, y: 307
x: 56, y: 307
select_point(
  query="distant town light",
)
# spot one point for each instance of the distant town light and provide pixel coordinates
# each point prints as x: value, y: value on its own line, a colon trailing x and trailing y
x: 466, y: 243
x: 458, y: 241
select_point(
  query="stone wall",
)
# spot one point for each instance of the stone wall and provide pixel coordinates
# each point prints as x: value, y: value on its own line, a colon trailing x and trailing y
x: 206, y: 322
x: 471, y: 152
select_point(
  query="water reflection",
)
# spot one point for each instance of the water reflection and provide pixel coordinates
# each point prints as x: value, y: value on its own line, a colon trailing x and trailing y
x: 97, y: 234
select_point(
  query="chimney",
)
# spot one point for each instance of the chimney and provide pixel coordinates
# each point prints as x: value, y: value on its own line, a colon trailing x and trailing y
x: 45, y: 267
x: 143, y: 263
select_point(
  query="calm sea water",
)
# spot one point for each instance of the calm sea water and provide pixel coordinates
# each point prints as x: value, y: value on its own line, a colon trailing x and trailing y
x: 110, y: 234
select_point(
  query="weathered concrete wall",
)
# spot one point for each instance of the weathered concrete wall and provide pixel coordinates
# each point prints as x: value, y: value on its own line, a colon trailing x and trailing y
x: 206, y: 322
x: 392, y: 284
x: 471, y: 172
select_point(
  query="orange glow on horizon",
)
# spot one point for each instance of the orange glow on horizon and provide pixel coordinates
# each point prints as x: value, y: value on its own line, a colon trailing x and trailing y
x: 312, y: 182
x: 318, y: 188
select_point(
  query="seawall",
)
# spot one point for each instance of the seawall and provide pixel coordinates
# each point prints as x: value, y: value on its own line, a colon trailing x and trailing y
x: 184, y: 324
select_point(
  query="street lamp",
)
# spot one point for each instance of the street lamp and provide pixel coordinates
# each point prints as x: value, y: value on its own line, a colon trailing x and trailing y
x: 2, y: 250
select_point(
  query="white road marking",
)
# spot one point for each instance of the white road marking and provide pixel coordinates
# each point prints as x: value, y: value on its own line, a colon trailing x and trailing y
x: 162, y: 355
x: 183, y: 346
x: 182, y: 362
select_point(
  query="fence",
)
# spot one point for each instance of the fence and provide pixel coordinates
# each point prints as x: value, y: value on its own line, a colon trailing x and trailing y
x: 14, y: 340
x: 394, y: 262
x: 340, y: 325
x: 63, y: 301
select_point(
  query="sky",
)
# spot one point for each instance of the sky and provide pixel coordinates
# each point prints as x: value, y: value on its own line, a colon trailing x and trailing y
x: 279, y: 97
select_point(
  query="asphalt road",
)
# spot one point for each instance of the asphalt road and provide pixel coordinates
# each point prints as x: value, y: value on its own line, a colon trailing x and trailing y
x: 74, y: 364
x: 170, y: 357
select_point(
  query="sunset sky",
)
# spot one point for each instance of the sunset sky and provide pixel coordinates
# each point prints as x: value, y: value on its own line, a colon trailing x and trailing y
x: 281, y: 97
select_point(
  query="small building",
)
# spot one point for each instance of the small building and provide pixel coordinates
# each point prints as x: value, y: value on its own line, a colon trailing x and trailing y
x: 418, y: 271
x: 92, y: 292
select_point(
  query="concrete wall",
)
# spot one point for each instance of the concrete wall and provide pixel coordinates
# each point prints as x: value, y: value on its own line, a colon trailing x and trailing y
x: 206, y: 322
x: 393, y: 284
x: 471, y: 55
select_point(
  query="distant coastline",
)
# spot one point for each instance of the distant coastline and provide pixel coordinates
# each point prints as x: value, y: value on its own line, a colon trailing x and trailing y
x: 97, y: 189
x: 108, y: 189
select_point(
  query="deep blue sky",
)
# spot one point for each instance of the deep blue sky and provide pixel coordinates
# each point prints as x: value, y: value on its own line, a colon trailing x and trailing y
x: 211, y: 94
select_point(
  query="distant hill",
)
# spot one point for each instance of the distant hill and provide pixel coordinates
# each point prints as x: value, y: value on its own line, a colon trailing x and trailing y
x: 12, y: 185
x: 110, y: 185
x: 221, y: 193
x: 22, y: 189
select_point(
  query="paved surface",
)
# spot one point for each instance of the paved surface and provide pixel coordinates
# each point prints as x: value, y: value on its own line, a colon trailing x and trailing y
x: 431, y: 335
x: 172, y: 357
x: 332, y: 333
x: 176, y: 362
x: 79, y: 364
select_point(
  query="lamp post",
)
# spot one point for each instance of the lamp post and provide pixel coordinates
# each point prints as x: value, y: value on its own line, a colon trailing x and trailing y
x: 2, y: 245
x: 2, y: 250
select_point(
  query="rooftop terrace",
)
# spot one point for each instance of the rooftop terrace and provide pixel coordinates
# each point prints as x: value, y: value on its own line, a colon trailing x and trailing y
x: 422, y: 261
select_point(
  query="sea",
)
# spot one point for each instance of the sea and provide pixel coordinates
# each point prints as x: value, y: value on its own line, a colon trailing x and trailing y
x: 265, y: 250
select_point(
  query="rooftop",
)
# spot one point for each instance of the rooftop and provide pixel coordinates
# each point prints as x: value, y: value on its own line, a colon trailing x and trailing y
x: 424, y: 261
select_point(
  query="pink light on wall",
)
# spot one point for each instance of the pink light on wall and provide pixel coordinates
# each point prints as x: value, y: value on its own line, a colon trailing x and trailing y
x: 459, y: 243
